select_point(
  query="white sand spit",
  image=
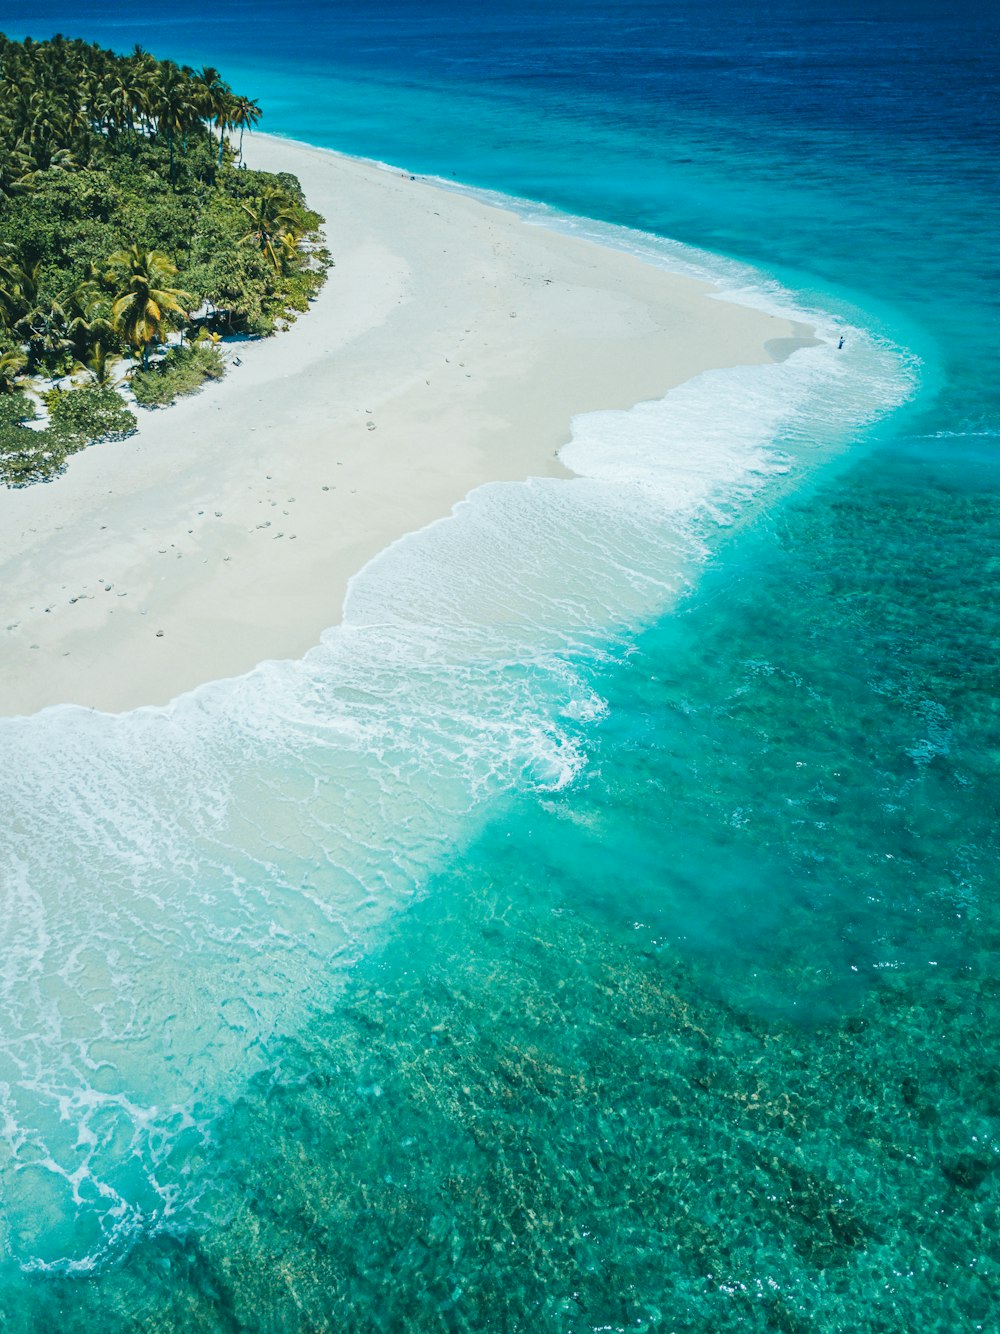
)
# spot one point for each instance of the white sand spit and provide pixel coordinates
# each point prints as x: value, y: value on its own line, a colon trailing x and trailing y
x: 451, y: 346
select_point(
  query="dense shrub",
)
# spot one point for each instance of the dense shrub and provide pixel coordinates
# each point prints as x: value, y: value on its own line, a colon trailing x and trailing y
x: 84, y: 416
x: 15, y: 408
x: 29, y: 456
x: 79, y: 417
x: 182, y: 371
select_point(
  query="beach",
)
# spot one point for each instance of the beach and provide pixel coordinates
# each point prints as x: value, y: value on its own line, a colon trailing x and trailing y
x: 579, y: 911
x: 451, y: 346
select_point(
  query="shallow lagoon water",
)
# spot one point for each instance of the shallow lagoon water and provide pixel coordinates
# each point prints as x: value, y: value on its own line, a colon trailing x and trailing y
x: 211, y: 870
x: 690, y: 1024
x: 663, y: 1049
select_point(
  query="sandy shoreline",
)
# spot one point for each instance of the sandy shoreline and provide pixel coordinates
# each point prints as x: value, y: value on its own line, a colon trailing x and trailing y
x: 450, y: 347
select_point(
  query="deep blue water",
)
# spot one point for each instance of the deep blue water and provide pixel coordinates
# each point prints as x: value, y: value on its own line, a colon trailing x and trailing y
x: 770, y: 896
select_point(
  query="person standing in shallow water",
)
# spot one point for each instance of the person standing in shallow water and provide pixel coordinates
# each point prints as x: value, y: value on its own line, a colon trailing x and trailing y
x: 840, y: 342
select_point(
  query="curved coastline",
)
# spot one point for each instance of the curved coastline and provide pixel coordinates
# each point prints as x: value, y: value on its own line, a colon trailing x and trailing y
x: 265, y: 828
x: 451, y: 347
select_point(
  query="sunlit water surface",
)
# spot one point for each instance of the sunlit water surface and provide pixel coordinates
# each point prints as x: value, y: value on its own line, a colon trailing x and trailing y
x: 606, y: 938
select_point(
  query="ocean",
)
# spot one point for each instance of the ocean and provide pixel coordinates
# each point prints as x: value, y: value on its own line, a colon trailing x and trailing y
x: 598, y: 947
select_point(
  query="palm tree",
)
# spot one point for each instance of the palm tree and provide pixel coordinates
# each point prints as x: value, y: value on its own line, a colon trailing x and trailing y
x: 43, y: 330
x: 143, y: 73
x: 98, y: 362
x: 10, y: 281
x: 8, y: 170
x: 18, y: 288
x: 147, y: 306
x: 275, y: 221
x: 12, y: 363
x: 88, y: 316
x: 214, y: 98
x: 125, y: 100
x: 174, y: 106
x: 225, y: 120
x: 245, y: 115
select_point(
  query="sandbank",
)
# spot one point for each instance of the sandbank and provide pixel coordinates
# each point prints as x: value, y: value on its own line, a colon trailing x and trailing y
x: 451, y: 346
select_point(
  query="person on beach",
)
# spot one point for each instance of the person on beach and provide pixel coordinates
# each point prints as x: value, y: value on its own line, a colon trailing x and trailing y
x: 840, y: 343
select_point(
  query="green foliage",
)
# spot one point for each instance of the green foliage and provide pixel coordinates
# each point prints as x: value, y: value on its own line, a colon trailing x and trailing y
x: 28, y: 456
x: 122, y: 208
x: 182, y: 371
x: 89, y: 414
x: 121, y: 151
x: 146, y: 306
x: 15, y: 408
x: 78, y: 417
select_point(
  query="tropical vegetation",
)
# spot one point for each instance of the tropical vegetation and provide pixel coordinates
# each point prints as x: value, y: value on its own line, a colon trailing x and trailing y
x: 128, y: 221
x: 181, y: 371
x: 76, y: 419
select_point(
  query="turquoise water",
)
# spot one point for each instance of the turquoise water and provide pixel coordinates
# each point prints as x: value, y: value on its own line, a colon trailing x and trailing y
x: 547, y: 953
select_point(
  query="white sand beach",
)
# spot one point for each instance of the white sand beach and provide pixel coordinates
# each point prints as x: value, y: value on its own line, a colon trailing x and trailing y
x: 451, y: 346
